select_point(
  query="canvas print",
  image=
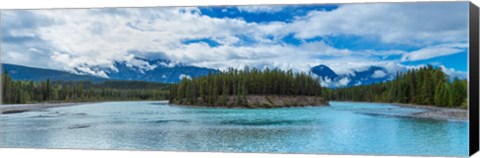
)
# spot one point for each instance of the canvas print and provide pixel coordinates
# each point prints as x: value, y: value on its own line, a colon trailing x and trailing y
x: 360, y: 79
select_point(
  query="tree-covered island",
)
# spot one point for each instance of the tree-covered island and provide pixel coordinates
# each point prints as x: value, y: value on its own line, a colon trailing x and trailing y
x: 249, y: 88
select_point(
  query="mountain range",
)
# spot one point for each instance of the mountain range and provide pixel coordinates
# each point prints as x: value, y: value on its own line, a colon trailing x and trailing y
x: 18, y: 72
x: 161, y: 70
x: 158, y: 70
x: 373, y: 74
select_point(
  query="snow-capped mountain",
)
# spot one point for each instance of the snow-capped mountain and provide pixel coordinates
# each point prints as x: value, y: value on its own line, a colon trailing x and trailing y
x: 19, y: 72
x: 158, y: 70
x: 161, y: 70
x: 328, y: 77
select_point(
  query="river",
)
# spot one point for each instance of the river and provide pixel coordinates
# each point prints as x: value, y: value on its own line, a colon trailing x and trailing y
x: 342, y: 128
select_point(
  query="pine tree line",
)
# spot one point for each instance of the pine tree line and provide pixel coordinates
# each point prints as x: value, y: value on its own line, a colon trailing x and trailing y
x: 424, y: 86
x: 20, y: 92
x: 215, y: 89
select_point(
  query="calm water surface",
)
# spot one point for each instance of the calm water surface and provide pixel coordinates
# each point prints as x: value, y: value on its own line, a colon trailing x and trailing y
x: 342, y: 128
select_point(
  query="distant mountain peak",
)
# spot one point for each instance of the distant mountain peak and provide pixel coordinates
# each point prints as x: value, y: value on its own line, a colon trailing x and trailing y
x: 152, y: 70
x: 373, y: 74
x: 325, y: 71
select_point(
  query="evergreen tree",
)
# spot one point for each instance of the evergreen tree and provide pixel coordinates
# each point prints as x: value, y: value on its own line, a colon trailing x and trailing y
x: 426, y: 85
x: 459, y: 93
x: 238, y: 84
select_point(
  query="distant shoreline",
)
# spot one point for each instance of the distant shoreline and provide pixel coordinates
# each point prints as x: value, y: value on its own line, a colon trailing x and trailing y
x: 431, y: 112
x: 19, y: 108
x: 441, y: 113
x: 258, y: 101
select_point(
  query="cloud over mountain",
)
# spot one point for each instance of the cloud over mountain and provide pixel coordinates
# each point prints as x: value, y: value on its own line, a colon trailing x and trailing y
x: 92, y: 40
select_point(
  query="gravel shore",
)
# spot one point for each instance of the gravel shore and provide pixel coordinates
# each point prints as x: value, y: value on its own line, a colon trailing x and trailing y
x: 441, y: 113
x: 18, y: 108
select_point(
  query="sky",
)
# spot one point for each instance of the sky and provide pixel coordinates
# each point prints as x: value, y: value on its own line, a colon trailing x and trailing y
x: 346, y: 37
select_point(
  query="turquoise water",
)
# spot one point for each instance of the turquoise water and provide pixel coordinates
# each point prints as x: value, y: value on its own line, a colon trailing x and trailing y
x: 342, y: 128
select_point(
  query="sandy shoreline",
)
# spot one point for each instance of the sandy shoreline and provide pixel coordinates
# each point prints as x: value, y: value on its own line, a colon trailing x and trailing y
x: 18, y: 108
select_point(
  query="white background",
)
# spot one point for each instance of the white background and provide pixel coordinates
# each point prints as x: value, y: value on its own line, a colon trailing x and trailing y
x: 54, y: 153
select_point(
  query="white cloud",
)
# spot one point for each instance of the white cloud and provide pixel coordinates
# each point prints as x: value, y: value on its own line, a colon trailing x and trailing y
x: 18, y: 57
x: 97, y: 37
x: 84, y: 70
x: 343, y: 82
x: 131, y: 61
x: 33, y: 50
x: 261, y: 8
x: 169, y: 65
x: 405, y: 23
x: 379, y: 74
x: 182, y: 76
x: 454, y: 73
x: 435, y: 51
x: 327, y: 82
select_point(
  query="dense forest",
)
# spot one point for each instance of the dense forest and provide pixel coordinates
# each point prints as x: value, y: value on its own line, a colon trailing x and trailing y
x: 424, y: 86
x: 19, y: 92
x: 216, y: 89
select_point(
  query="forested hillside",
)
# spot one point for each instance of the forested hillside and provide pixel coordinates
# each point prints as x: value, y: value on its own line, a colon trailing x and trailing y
x: 18, y: 91
x: 221, y: 88
x: 423, y: 86
x: 18, y: 72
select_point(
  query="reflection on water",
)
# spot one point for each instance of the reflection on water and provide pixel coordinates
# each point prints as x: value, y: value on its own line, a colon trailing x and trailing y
x: 342, y: 128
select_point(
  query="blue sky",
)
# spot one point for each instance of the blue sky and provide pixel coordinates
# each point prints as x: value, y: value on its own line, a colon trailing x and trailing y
x: 347, y: 37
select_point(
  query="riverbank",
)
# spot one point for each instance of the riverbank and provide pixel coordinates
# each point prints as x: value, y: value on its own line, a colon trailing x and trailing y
x: 433, y: 112
x: 19, y: 108
x: 430, y: 111
x: 259, y: 101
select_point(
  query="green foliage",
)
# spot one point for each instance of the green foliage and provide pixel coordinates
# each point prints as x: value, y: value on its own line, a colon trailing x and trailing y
x: 218, y: 88
x: 442, y: 94
x: 424, y: 86
x: 20, y: 92
x: 458, y: 92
